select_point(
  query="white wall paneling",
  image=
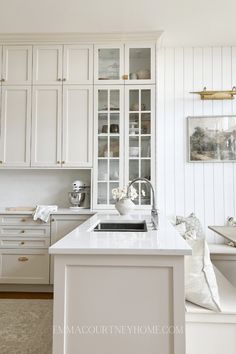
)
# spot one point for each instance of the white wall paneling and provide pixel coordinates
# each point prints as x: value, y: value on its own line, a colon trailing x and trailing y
x: 208, y: 189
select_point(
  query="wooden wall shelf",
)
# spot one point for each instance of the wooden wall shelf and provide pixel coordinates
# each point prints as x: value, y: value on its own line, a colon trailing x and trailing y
x: 216, y: 95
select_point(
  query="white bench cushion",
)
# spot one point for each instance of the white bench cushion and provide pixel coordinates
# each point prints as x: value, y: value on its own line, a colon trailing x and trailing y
x: 227, y: 294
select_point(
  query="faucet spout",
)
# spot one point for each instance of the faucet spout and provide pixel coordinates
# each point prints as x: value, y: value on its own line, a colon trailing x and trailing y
x: 154, y: 211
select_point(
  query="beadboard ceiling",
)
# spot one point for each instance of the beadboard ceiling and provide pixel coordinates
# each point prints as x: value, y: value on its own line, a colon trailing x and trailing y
x: 184, y: 22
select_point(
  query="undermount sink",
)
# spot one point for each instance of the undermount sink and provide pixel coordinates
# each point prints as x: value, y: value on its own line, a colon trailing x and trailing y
x: 121, y: 226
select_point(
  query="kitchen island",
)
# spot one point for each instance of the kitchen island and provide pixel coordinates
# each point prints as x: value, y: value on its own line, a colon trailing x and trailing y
x: 119, y: 292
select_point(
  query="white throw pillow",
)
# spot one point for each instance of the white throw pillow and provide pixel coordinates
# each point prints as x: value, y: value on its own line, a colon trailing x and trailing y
x: 200, y: 281
x: 181, y: 228
x: 192, y: 223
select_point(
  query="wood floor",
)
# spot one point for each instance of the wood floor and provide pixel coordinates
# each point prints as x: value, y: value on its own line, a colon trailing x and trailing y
x: 25, y: 295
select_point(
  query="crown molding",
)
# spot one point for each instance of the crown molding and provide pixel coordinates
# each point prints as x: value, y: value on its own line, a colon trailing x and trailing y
x: 79, y: 37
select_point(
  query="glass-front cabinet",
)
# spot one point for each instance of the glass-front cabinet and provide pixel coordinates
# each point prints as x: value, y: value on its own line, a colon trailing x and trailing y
x: 140, y: 139
x: 125, y: 141
x: 126, y: 63
x: 109, y: 143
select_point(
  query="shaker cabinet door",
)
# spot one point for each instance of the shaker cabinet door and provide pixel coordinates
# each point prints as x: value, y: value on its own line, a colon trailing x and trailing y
x: 78, y: 64
x: 47, y: 64
x: 15, y: 126
x: 77, y: 126
x: 46, y: 126
x: 17, y: 65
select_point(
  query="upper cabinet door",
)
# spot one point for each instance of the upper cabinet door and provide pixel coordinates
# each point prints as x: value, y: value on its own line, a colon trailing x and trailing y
x: 109, y: 64
x: 140, y: 63
x: 15, y: 126
x: 47, y: 64
x: 17, y: 65
x: 78, y: 64
x: 77, y: 126
x: 46, y: 126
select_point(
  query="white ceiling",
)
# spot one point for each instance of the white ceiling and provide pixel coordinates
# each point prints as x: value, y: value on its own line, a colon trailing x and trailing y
x: 184, y: 22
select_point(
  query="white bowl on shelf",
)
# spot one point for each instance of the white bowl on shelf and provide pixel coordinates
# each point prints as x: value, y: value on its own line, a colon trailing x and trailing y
x: 134, y: 151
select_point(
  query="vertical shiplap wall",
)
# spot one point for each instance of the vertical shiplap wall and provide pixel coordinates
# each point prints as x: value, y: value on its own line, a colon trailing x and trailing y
x: 208, y: 189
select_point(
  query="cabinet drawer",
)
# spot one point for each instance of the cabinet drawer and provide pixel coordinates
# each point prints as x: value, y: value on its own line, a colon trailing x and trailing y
x: 24, y: 243
x: 24, y: 231
x: 6, y: 219
x: 30, y: 267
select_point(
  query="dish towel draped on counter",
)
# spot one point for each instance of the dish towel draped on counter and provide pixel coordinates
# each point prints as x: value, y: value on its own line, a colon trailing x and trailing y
x: 43, y: 212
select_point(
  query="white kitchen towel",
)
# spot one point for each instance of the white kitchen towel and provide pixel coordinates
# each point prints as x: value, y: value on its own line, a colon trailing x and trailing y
x: 43, y: 212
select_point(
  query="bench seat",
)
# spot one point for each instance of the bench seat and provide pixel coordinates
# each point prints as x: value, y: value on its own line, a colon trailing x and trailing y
x: 209, y: 332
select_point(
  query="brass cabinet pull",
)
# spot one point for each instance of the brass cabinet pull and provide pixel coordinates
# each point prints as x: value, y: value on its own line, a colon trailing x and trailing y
x: 23, y: 259
x: 3, y: 80
x: 59, y: 79
x: 1, y: 162
x: 22, y: 242
x: 23, y: 220
x: 53, y: 220
x: 63, y: 162
x: 58, y: 162
x: 64, y: 79
x: 22, y: 231
x: 125, y: 77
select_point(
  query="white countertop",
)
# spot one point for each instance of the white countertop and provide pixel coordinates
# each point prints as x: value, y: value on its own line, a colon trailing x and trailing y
x: 165, y: 241
x: 59, y: 211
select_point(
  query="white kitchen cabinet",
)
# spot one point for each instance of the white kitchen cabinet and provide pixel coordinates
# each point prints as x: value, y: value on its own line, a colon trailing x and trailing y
x: 47, y: 64
x: 61, y: 225
x: 62, y: 126
x: 109, y: 143
x: 17, y: 65
x: 24, y: 245
x: 129, y: 63
x: 77, y: 126
x: 46, y: 126
x: 55, y: 64
x: 124, y: 122
x: 78, y: 64
x: 15, y: 126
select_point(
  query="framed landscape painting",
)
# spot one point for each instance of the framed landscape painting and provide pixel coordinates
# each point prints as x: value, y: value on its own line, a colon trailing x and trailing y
x: 212, y: 138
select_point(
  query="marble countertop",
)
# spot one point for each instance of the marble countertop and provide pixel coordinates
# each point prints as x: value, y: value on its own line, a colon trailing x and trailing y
x: 82, y: 240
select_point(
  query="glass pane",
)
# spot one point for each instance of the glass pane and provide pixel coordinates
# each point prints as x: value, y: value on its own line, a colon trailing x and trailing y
x: 145, y: 100
x: 112, y: 186
x: 102, y: 147
x: 114, y: 147
x: 102, y: 100
x: 134, y: 147
x: 114, y: 100
x: 139, y: 63
x: 145, y: 169
x: 133, y: 169
x: 136, y: 186
x: 114, y: 123
x: 102, y: 123
x: 109, y: 64
x: 102, y: 170
x: 133, y: 123
x: 114, y: 170
x: 102, y: 193
x: 145, y: 146
x: 145, y: 123
x: 134, y: 100
x: 145, y: 194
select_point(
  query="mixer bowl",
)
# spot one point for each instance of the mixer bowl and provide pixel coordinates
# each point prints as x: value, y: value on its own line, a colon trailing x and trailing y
x: 76, y: 198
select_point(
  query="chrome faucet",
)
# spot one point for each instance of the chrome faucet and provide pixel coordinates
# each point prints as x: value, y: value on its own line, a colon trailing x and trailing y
x: 154, y: 212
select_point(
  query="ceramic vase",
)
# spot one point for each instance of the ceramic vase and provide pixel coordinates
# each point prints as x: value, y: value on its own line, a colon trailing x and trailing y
x: 124, y: 206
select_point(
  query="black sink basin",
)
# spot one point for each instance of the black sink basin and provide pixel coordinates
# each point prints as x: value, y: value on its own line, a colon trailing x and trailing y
x: 136, y: 226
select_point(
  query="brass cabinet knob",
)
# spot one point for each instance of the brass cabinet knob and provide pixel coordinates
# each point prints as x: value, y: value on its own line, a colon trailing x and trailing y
x: 22, y: 231
x: 1, y: 162
x: 58, y: 162
x: 63, y: 162
x: 125, y: 77
x: 22, y: 242
x: 64, y: 79
x: 23, y: 220
x: 3, y: 80
x: 59, y: 79
x: 23, y: 259
x: 53, y: 220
